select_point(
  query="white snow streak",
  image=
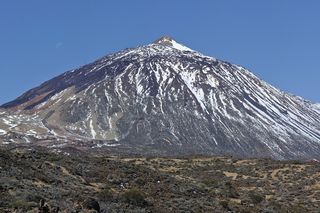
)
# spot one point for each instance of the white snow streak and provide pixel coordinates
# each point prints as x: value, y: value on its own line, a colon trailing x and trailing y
x: 3, y: 132
x: 93, y: 132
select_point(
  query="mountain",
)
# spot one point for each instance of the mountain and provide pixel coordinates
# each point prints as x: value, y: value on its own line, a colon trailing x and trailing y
x: 164, y: 99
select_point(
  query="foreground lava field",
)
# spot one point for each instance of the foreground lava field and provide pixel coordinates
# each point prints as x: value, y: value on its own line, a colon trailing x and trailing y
x: 36, y: 180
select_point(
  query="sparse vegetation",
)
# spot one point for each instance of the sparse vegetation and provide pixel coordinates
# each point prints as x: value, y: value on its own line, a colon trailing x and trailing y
x: 83, y: 183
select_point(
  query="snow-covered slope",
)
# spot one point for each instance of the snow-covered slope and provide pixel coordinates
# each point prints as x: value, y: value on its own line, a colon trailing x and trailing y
x: 164, y: 98
x: 317, y: 107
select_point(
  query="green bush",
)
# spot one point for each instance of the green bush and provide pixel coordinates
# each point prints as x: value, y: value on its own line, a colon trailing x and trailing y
x: 134, y: 197
x: 298, y: 209
x: 53, y: 158
x: 211, y: 183
x: 23, y: 205
x: 224, y: 204
x: 140, y: 181
x: 106, y: 195
x: 33, y: 198
x: 255, y: 197
x: 230, y: 191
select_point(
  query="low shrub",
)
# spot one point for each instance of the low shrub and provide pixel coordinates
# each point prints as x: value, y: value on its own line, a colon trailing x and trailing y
x: 224, y: 204
x: 134, y: 197
x: 23, y: 205
x: 106, y: 195
x: 256, y: 197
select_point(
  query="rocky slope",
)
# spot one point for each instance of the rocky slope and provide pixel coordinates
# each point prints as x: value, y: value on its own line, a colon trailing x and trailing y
x: 165, y: 99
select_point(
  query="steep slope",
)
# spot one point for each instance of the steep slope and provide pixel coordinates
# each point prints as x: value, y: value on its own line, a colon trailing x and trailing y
x: 164, y: 98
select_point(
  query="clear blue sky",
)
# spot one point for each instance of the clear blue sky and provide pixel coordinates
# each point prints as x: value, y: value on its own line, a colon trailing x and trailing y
x: 277, y: 40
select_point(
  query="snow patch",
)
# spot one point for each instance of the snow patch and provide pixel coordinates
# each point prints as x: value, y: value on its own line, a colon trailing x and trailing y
x: 3, y: 132
x: 181, y: 47
x: 317, y: 107
x: 106, y: 144
x: 93, y: 132
x: 189, y: 79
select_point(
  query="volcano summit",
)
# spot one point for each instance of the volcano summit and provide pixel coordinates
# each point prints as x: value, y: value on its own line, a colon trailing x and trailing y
x: 164, y: 99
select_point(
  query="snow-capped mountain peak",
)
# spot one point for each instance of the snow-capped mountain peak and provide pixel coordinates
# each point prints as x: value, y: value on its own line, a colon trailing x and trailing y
x: 164, y: 98
x: 169, y: 41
